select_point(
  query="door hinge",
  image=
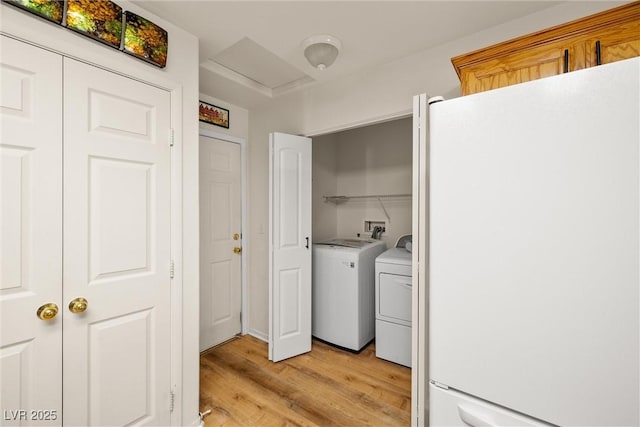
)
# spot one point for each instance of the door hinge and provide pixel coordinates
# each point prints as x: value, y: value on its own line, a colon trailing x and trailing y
x: 172, y: 400
x: 172, y: 269
x: 171, y: 137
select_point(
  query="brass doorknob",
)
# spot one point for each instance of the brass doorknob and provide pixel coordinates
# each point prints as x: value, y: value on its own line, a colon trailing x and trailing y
x: 78, y: 305
x: 236, y: 236
x: 237, y: 250
x: 47, y: 311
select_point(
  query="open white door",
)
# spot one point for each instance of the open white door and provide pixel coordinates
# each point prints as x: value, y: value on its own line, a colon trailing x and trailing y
x: 420, y: 263
x: 290, y: 246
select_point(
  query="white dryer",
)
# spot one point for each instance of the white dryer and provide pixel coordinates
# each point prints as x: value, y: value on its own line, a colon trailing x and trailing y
x: 343, y: 291
x: 393, y: 306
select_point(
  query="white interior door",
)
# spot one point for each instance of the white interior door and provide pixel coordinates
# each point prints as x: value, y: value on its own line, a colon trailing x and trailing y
x: 290, y: 241
x: 31, y: 221
x: 420, y: 264
x: 116, y: 249
x: 220, y: 241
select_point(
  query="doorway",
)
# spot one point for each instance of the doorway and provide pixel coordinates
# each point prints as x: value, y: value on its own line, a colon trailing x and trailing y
x: 221, y: 239
x: 355, y: 169
x: 362, y: 189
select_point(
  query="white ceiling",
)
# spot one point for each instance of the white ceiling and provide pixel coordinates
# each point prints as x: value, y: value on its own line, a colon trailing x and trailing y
x: 258, y: 64
x: 251, y: 51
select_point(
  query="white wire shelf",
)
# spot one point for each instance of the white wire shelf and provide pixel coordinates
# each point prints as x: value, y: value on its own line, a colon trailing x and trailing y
x: 336, y: 199
x: 378, y: 197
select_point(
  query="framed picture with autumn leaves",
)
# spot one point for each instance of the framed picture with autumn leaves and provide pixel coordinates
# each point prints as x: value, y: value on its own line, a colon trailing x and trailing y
x: 102, y: 20
x: 214, y: 115
x: 145, y: 40
x: 51, y: 10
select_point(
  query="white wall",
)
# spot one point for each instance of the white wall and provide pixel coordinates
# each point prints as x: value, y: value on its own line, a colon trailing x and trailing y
x: 324, y: 183
x: 364, y: 98
x: 238, y: 118
x: 375, y: 160
x: 182, y: 72
x: 285, y: 119
x: 369, y: 160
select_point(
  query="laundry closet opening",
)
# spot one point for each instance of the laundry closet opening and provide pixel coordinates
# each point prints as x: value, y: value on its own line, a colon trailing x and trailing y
x: 362, y: 224
x: 362, y: 221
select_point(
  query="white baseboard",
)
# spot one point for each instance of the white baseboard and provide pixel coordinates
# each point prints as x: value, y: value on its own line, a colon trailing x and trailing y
x: 261, y: 336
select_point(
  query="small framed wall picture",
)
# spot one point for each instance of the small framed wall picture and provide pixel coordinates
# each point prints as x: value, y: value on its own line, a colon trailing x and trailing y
x: 214, y: 115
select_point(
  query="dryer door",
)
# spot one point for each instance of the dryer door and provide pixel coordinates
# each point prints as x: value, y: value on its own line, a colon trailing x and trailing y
x: 394, y: 298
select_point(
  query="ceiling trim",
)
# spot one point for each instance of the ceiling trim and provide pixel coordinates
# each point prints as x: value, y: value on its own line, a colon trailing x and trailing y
x: 236, y: 77
x: 248, y: 82
x: 402, y: 114
x: 296, y: 84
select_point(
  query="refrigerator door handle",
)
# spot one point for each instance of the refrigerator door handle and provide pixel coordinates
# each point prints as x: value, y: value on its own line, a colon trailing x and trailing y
x: 473, y: 418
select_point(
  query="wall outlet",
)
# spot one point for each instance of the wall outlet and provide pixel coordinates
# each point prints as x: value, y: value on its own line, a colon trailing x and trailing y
x: 369, y: 226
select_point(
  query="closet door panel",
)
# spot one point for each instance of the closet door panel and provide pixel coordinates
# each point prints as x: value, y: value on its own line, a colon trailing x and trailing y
x: 117, y: 249
x: 31, y: 233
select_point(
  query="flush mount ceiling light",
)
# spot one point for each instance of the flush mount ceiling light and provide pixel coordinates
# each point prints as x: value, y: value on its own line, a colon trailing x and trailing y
x: 322, y: 50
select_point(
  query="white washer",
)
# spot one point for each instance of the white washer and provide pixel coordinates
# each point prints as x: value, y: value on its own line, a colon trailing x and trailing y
x: 344, y: 291
x: 393, y: 306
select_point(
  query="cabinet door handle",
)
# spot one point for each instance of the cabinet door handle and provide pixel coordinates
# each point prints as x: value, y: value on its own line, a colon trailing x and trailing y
x: 598, y: 54
x: 307, y: 245
x: 566, y: 60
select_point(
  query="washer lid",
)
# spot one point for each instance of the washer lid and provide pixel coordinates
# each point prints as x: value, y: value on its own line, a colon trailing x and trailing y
x: 395, y: 256
x: 348, y: 243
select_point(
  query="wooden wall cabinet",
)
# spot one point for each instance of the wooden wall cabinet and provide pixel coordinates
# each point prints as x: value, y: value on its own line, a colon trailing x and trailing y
x: 605, y: 37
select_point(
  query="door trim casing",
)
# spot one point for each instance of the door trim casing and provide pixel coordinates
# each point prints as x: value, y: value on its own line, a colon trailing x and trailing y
x: 244, y: 317
x: 419, y: 384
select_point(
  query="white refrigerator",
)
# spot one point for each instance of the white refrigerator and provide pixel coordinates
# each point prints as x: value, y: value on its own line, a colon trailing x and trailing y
x: 534, y: 253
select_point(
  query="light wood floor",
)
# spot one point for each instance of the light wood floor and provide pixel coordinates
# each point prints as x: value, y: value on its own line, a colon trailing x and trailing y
x: 326, y: 387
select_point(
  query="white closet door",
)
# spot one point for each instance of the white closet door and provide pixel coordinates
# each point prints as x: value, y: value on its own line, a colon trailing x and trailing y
x: 290, y: 240
x: 116, y: 249
x: 420, y: 264
x: 220, y: 241
x: 31, y: 227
